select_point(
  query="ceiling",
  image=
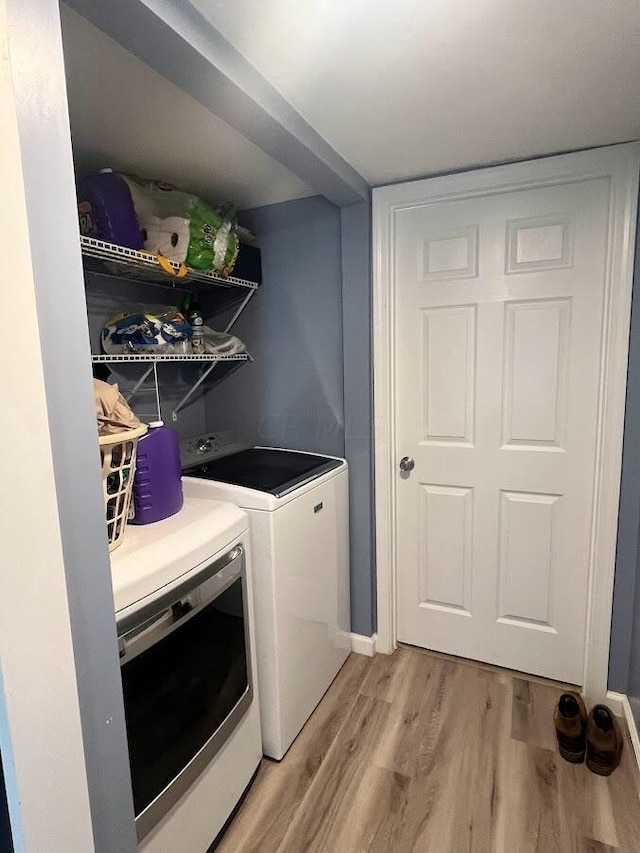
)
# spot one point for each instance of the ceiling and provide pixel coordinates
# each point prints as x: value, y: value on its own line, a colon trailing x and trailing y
x: 415, y: 87
x: 125, y: 115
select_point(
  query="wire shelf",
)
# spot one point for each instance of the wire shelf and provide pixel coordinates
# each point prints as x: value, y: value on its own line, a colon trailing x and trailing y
x: 144, y: 266
x: 150, y: 358
x: 134, y: 263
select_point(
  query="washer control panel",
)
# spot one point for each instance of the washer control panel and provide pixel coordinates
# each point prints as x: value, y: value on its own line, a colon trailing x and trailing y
x: 209, y: 446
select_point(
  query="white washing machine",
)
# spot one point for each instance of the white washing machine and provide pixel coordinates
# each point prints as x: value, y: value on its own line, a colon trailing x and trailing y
x: 298, y: 506
x: 184, y: 611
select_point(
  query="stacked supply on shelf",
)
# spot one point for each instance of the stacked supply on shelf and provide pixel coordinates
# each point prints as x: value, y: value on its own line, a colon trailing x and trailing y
x: 148, y: 231
x: 159, y: 218
x: 163, y: 330
x: 147, y: 329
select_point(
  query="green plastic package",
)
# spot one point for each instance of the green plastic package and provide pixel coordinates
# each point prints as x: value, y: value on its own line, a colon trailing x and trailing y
x: 182, y: 227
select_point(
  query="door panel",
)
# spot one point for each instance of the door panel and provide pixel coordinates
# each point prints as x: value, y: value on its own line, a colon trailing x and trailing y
x: 527, y: 557
x: 535, y: 373
x: 445, y: 547
x: 499, y: 317
x: 448, y: 374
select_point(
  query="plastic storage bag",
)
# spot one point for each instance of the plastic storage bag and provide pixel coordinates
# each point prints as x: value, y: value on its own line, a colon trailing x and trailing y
x: 182, y: 227
x: 147, y: 330
x: 221, y: 343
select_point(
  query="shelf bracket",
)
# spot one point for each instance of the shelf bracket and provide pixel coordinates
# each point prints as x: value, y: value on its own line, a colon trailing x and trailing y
x: 241, y: 308
x: 192, y: 390
x: 140, y: 383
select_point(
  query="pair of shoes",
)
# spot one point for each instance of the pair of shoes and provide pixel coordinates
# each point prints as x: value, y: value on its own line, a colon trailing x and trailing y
x: 597, y: 735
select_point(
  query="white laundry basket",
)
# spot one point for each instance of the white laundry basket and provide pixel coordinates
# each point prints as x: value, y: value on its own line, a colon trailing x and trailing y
x: 118, y: 457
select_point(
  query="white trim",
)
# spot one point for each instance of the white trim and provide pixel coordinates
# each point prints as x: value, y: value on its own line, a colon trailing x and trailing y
x: 619, y: 703
x: 384, y: 423
x: 363, y: 645
x: 633, y: 732
x: 616, y: 701
x: 619, y: 163
x: 613, y: 378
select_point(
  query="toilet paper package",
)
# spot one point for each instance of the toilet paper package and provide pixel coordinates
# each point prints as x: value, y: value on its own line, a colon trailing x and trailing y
x: 182, y: 227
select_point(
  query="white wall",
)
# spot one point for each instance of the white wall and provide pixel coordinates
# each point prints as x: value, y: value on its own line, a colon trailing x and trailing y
x: 40, y: 716
x: 61, y: 715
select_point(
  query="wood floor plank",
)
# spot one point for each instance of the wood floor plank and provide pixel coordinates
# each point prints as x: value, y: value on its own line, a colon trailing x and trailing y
x: 374, y: 813
x: 538, y: 824
x: 622, y: 785
x: 554, y: 804
x: 589, y: 845
x: 277, y: 792
x: 386, y: 675
x: 419, y: 704
x: 590, y: 797
x: 533, y: 707
x: 326, y: 806
x: 389, y: 821
x: 457, y: 762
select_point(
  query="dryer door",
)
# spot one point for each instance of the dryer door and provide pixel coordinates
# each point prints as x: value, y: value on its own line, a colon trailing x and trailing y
x: 186, y: 678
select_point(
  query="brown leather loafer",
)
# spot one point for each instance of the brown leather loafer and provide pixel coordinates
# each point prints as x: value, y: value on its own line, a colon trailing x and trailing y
x: 570, y: 719
x: 604, y: 741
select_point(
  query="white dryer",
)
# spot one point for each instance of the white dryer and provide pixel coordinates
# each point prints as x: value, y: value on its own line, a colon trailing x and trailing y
x: 298, y: 507
x: 183, y: 601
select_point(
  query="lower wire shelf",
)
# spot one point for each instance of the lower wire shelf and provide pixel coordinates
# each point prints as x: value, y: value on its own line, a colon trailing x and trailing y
x: 152, y: 359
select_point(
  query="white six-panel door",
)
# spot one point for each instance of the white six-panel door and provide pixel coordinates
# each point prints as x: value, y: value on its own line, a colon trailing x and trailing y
x: 499, y: 316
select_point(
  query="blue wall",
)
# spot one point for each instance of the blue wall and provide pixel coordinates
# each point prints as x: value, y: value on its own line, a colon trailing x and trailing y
x: 627, y: 566
x: 633, y: 687
x: 624, y: 658
x: 308, y: 380
x: 358, y: 409
x: 292, y: 395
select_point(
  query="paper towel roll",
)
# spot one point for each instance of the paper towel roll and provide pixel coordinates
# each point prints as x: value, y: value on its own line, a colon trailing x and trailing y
x: 168, y: 237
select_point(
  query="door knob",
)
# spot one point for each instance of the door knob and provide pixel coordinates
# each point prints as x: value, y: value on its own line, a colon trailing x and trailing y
x: 407, y: 464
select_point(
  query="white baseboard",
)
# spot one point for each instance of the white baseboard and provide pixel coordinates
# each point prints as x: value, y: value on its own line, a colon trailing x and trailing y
x: 621, y: 700
x: 616, y: 702
x: 362, y: 645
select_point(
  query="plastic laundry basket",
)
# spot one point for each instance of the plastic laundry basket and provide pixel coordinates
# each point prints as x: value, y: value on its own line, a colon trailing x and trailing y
x: 118, y: 457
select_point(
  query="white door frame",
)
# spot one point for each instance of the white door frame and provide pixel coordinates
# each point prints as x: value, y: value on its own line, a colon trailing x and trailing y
x: 620, y: 164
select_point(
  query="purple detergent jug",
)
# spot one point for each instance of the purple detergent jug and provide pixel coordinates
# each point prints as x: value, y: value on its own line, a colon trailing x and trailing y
x: 157, y: 485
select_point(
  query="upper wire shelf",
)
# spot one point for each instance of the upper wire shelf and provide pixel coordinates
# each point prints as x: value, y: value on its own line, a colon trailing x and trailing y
x: 133, y: 262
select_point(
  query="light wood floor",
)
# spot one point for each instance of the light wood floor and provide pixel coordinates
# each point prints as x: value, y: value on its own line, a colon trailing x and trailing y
x: 415, y: 752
